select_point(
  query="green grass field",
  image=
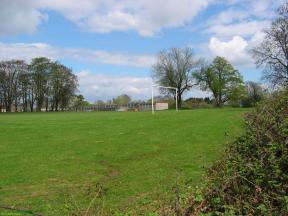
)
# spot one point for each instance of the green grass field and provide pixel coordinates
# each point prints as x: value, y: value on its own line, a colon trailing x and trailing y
x: 60, y: 163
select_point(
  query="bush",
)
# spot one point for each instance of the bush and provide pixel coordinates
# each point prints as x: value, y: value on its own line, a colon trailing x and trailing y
x: 196, y: 103
x: 252, y: 178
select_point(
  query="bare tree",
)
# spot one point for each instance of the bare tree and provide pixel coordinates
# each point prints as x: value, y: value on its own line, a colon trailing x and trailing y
x: 175, y: 68
x: 254, y: 94
x: 10, y: 71
x: 272, y: 53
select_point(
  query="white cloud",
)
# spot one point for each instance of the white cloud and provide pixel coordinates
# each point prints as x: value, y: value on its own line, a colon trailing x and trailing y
x: 102, y: 87
x: 143, y: 16
x: 237, y: 49
x: 28, y: 51
x: 237, y: 29
x: 263, y: 8
x: 241, y: 17
x: 233, y: 31
x: 19, y: 16
x: 244, y: 29
x: 234, y: 50
x: 228, y: 16
x: 256, y: 39
x: 147, y: 17
x: 96, y: 86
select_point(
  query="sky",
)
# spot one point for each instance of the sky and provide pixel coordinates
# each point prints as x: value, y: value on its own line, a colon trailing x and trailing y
x: 111, y: 45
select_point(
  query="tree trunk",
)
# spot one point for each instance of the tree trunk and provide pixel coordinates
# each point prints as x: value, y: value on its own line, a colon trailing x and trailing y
x: 31, y: 106
x: 16, y: 104
x: 39, y: 104
x: 179, y: 100
x: 56, y: 106
x: 1, y: 103
x: 47, y: 103
x: 25, y: 104
x: 8, y: 107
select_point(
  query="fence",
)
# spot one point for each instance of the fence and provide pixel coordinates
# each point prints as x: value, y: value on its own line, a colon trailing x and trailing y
x: 114, y: 107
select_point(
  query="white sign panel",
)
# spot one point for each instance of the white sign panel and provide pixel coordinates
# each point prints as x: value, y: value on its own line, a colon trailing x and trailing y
x: 161, y: 106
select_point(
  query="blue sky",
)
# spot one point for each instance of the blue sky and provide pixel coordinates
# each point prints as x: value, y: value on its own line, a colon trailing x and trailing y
x: 112, y: 44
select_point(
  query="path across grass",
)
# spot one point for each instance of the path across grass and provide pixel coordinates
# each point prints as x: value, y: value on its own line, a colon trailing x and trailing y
x: 59, y: 163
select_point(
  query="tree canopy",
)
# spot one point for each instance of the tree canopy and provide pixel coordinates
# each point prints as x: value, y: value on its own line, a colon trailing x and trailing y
x: 41, y: 84
x: 221, y: 79
x: 175, y: 68
x: 122, y: 99
x: 254, y: 93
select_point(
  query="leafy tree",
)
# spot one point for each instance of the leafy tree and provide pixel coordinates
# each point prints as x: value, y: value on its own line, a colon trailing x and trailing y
x: 43, y: 82
x: 221, y: 79
x: 175, y: 68
x: 9, y: 73
x: 254, y: 94
x: 31, y: 91
x: 2, y: 76
x: 122, y: 99
x: 40, y: 69
x: 236, y: 96
x: 272, y: 53
x: 63, y: 86
x: 19, y: 88
x: 24, y: 87
x: 192, y: 103
x: 79, y: 102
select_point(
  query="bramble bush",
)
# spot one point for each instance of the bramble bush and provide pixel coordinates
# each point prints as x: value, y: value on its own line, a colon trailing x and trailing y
x: 252, y: 177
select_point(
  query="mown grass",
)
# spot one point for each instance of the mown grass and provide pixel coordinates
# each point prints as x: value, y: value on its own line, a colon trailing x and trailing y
x: 64, y: 163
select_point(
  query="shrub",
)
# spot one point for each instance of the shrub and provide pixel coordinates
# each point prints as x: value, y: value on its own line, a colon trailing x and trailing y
x: 252, y: 178
x: 195, y: 103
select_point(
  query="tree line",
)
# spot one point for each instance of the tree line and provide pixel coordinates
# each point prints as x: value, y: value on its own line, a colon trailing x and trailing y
x: 51, y: 85
x: 42, y: 84
x: 179, y: 68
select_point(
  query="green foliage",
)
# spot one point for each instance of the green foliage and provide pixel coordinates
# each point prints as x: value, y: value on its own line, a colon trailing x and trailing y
x: 222, y: 80
x: 252, y: 178
x: 40, y: 68
x: 193, y: 103
x: 235, y: 95
x: 254, y: 93
x: 43, y: 83
x: 78, y: 102
x: 122, y: 99
x: 63, y: 84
